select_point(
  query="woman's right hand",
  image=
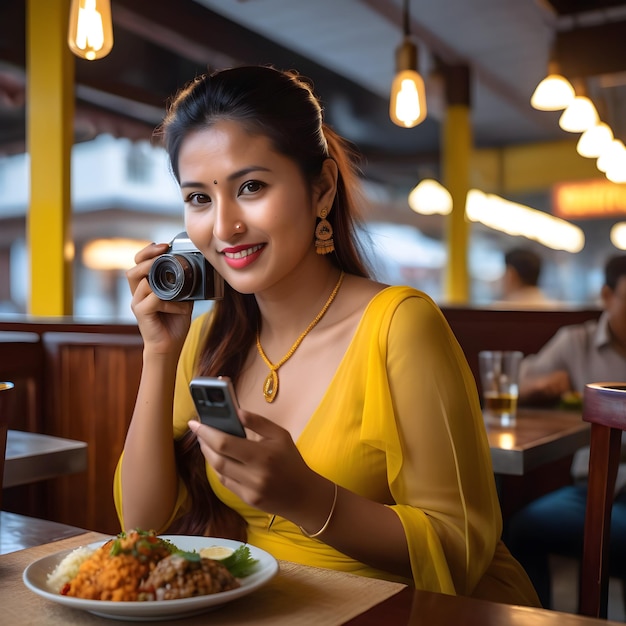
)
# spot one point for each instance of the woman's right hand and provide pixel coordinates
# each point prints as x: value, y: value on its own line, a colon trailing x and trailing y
x: 163, y: 324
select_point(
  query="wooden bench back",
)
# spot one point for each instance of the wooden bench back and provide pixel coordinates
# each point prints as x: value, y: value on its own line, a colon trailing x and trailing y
x: 80, y: 381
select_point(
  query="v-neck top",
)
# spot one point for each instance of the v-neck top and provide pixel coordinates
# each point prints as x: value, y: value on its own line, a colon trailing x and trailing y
x: 400, y: 423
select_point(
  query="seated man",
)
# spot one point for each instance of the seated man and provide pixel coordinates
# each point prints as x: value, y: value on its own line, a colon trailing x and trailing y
x: 520, y: 282
x: 579, y: 354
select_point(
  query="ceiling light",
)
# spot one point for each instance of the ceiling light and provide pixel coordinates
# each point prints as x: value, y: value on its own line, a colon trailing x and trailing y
x: 519, y: 220
x: 613, y: 154
x: 407, y: 103
x: 112, y: 254
x: 430, y: 197
x: 579, y: 115
x: 594, y: 140
x: 616, y: 171
x: 553, y: 93
x: 617, y: 174
x: 90, y: 32
x: 618, y: 235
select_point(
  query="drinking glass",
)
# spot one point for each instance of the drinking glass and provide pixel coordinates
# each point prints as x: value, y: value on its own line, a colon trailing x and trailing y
x: 499, y: 372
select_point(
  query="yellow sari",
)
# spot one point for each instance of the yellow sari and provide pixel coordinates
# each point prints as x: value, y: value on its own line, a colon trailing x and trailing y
x: 399, y: 424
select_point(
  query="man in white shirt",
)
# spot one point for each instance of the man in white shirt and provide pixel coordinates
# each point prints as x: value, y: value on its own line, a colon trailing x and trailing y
x: 594, y: 351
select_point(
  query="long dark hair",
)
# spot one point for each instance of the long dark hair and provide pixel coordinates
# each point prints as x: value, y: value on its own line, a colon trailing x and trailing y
x: 282, y: 107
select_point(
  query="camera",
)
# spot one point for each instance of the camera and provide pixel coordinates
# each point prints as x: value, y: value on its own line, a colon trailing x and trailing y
x: 184, y: 274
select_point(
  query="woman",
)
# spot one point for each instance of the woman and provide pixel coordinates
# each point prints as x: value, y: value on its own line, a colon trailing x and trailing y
x: 366, y: 450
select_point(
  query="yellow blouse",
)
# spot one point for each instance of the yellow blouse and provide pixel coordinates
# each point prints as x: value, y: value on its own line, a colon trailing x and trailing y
x: 399, y: 424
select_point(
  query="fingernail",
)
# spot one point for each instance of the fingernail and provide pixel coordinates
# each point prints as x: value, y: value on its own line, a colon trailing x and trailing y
x: 193, y: 425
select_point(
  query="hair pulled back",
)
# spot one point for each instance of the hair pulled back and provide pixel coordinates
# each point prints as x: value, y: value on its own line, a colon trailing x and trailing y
x: 282, y: 107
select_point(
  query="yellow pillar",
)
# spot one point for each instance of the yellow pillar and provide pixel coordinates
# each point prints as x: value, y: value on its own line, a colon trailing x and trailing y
x: 50, y: 115
x: 456, y: 155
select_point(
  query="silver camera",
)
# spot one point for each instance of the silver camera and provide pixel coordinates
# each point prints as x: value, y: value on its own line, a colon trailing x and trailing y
x: 183, y: 273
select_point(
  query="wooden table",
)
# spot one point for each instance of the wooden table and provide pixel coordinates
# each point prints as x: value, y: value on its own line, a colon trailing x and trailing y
x: 18, y: 532
x: 538, y: 437
x: 297, y: 596
x: 425, y: 608
x: 31, y: 457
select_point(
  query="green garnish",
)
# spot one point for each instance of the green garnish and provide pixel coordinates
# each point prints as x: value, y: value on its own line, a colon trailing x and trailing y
x: 146, y: 542
x: 189, y: 556
x: 240, y: 563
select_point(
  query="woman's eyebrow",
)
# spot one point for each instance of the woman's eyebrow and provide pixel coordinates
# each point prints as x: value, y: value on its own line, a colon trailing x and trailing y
x: 234, y: 176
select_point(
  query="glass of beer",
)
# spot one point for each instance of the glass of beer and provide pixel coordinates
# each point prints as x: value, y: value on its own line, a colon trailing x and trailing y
x: 499, y: 372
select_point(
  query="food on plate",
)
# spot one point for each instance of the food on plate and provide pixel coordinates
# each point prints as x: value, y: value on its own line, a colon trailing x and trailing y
x: 115, y: 570
x: 185, y: 575
x: 571, y: 400
x: 140, y: 566
x: 68, y: 568
x: 218, y: 553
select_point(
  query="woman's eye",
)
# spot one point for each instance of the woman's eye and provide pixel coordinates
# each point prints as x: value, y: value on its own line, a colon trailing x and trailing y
x: 197, y: 199
x: 251, y: 186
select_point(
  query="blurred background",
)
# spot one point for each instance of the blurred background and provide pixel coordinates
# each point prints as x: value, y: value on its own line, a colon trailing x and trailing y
x: 485, y: 56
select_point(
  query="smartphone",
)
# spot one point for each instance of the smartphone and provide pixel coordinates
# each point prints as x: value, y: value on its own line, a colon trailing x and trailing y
x: 217, y: 404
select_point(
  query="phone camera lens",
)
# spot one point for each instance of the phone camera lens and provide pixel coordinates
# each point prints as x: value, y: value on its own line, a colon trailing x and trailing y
x: 216, y: 396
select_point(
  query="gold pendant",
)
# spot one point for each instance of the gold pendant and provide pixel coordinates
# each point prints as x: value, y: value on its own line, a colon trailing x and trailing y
x: 270, y: 386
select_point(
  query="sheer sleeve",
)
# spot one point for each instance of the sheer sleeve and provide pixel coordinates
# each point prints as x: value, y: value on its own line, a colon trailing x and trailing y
x: 438, y: 458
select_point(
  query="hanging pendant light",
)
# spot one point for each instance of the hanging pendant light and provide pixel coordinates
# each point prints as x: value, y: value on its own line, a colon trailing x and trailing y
x: 579, y: 116
x: 613, y: 155
x: 554, y: 92
x: 430, y: 197
x: 90, y: 33
x: 407, y: 103
x: 594, y: 140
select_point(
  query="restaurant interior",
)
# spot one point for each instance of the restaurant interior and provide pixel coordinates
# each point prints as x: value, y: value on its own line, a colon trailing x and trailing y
x: 84, y: 184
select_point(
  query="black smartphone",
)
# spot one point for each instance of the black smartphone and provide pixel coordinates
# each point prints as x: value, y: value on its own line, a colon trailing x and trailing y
x: 217, y: 404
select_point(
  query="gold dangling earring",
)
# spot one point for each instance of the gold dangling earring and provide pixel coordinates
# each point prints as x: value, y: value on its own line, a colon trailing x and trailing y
x: 324, y: 243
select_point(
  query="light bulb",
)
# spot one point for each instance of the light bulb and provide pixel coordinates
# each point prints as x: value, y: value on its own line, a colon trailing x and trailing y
x: 613, y: 154
x: 408, y: 99
x: 594, y: 140
x: 617, y: 174
x: 407, y: 102
x: 90, y: 33
x: 553, y: 93
x: 430, y: 197
x: 618, y: 235
x: 579, y: 115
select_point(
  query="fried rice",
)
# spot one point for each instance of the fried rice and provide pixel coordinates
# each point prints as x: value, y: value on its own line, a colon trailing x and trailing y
x: 138, y: 566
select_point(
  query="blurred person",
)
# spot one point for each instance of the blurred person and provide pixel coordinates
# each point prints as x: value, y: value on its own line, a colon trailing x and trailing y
x: 371, y: 455
x: 594, y: 351
x: 520, y: 282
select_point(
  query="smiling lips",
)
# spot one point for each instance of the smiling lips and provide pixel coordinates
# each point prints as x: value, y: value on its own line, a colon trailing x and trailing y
x: 242, y: 256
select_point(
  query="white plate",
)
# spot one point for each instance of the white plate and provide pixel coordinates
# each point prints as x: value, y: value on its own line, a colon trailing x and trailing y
x: 36, y: 574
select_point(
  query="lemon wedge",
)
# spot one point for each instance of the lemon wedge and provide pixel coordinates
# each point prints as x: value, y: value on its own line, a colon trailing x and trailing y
x: 217, y: 553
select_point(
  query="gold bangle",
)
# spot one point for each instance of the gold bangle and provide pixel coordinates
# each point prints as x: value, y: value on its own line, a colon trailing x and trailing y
x: 325, y: 526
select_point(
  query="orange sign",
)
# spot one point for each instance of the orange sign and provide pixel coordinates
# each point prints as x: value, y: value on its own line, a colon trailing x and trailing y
x: 588, y: 199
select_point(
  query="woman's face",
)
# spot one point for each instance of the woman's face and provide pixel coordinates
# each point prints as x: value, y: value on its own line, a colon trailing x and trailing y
x: 248, y: 209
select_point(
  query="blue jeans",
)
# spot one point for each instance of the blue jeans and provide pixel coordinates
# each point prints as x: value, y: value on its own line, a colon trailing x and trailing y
x: 554, y: 524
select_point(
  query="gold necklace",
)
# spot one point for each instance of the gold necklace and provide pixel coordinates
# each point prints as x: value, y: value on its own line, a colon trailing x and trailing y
x: 270, y: 386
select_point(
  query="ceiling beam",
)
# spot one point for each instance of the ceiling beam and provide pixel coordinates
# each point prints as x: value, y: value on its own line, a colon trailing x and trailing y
x: 598, y: 50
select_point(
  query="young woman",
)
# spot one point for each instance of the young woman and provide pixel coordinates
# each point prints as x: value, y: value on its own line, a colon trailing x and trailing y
x: 365, y: 447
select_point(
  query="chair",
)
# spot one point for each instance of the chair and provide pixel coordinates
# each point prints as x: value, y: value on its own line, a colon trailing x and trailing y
x: 604, y: 406
x: 5, y: 387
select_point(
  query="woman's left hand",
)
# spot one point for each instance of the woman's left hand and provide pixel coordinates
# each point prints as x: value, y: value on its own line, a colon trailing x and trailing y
x: 265, y: 470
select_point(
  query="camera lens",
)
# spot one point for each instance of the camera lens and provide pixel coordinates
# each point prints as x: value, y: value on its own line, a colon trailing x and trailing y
x: 216, y: 396
x: 172, y: 277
